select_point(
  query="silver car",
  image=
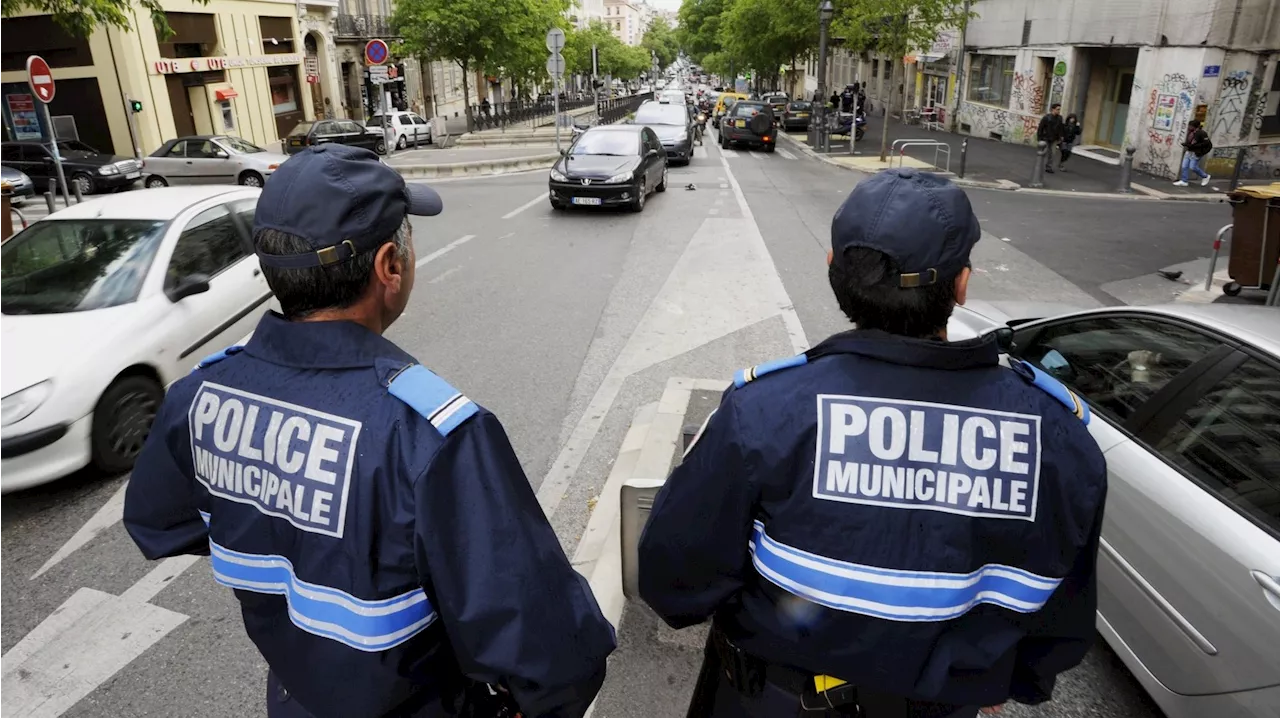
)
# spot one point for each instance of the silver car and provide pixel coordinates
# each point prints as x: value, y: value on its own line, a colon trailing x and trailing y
x: 17, y: 185
x: 210, y: 159
x: 1186, y: 406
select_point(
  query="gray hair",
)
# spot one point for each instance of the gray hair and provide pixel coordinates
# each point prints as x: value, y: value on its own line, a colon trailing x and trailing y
x: 335, y: 286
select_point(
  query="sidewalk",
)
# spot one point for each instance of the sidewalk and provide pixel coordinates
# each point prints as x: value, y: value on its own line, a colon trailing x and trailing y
x: 1003, y: 163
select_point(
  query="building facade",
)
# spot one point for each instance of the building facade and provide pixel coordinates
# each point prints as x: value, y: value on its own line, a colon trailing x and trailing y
x: 234, y: 67
x: 624, y: 20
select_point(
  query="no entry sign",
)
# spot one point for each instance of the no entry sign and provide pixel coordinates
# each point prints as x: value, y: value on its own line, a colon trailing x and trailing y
x: 375, y: 52
x: 40, y: 78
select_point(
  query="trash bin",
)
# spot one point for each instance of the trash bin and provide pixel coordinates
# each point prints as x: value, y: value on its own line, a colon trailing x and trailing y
x: 1255, y: 238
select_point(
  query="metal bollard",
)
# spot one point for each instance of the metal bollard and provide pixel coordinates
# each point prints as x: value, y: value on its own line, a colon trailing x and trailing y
x: 48, y: 201
x: 1037, y: 172
x: 1235, y: 174
x: 964, y: 152
x: 75, y: 187
x: 1126, y: 169
x: 1273, y: 294
x: 1213, y: 259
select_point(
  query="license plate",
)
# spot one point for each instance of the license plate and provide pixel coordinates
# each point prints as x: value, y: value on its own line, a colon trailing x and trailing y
x: 295, y: 143
x: 133, y: 175
x: 740, y: 123
x: 802, y: 114
x: 587, y: 200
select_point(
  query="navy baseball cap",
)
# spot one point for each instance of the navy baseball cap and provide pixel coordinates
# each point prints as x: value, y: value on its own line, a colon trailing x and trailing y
x: 922, y: 221
x: 342, y: 200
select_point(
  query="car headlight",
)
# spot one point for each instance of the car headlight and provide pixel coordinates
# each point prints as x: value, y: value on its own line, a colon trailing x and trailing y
x: 108, y: 170
x: 19, y: 405
x: 682, y: 137
x: 558, y: 176
x: 620, y: 178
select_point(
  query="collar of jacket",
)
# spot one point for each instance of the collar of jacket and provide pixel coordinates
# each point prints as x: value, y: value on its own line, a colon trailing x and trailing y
x: 320, y: 345
x: 929, y: 353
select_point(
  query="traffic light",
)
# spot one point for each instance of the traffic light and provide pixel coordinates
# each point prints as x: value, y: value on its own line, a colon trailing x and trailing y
x: 135, y: 105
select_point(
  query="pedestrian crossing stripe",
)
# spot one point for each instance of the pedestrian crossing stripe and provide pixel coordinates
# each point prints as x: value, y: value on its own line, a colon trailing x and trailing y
x: 785, y: 154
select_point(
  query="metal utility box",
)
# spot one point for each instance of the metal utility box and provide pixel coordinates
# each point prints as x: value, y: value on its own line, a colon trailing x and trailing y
x: 1255, y: 237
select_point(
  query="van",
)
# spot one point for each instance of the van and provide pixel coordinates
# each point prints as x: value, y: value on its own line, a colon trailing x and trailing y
x: 725, y: 97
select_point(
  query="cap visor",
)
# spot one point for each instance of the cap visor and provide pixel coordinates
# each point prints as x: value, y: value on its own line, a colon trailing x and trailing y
x: 422, y: 200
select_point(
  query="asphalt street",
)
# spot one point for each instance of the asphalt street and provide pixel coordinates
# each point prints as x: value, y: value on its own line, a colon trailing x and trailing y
x: 563, y: 324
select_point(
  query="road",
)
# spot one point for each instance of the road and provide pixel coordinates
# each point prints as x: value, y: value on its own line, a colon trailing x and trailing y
x: 562, y: 324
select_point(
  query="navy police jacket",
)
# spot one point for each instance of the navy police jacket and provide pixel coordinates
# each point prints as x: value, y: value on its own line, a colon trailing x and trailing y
x: 902, y: 514
x: 375, y: 524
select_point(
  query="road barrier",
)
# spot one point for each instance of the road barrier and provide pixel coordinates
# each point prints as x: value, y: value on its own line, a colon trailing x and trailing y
x: 899, y: 148
x: 515, y: 112
x: 613, y: 110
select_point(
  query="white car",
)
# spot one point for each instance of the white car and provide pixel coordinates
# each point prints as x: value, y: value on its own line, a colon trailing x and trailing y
x: 105, y: 304
x: 402, y: 127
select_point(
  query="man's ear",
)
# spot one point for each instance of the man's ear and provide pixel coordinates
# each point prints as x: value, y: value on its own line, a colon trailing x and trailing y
x: 962, y: 285
x: 388, y: 266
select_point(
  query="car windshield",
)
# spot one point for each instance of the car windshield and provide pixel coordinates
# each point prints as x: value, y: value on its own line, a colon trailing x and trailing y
x: 744, y: 110
x: 798, y: 106
x: 656, y: 114
x: 239, y: 146
x: 75, y: 148
x: 59, y: 266
x: 619, y: 144
x: 301, y: 128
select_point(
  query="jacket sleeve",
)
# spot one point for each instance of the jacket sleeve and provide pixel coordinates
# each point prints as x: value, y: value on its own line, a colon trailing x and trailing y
x: 1064, y: 629
x: 693, y: 552
x: 163, y: 501
x: 515, y: 611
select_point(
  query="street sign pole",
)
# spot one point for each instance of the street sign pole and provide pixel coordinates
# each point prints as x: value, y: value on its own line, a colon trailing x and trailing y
x: 57, y: 157
x: 555, y: 66
x: 133, y: 126
x: 40, y: 79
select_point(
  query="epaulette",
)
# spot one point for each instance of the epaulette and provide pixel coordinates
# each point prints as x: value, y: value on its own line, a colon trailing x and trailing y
x: 218, y: 356
x: 746, y: 376
x: 1052, y: 387
x: 432, y: 397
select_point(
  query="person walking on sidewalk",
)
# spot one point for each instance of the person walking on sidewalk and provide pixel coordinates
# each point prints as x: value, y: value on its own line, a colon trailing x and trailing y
x: 1194, y: 148
x: 1050, y: 132
x: 1070, y: 134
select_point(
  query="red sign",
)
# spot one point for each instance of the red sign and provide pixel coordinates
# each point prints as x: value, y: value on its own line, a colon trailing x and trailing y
x: 376, y: 52
x: 40, y: 78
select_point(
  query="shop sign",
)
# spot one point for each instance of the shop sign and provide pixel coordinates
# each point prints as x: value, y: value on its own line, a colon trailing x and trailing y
x: 204, y: 64
x: 26, y: 123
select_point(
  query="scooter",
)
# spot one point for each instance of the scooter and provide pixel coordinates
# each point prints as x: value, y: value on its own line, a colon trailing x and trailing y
x: 846, y: 122
x: 700, y: 127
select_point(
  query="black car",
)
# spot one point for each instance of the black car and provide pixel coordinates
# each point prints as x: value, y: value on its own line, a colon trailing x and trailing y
x: 796, y: 116
x: 750, y: 122
x: 673, y: 126
x: 610, y: 165
x: 343, y: 132
x: 90, y: 170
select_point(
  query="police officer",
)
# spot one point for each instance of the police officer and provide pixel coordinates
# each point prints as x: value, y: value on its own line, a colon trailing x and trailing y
x: 388, y: 553
x: 888, y: 520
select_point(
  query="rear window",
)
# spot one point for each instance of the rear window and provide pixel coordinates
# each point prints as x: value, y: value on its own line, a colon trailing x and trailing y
x: 302, y: 128
x: 798, y: 106
x: 743, y: 109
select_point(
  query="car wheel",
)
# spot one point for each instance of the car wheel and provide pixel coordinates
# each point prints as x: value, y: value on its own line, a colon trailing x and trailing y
x: 156, y: 181
x: 1231, y: 289
x: 250, y: 178
x: 662, y: 186
x: 402, y: 143
x: 381, y: 147
x: 84, y: 182
x: 121, y: 421
x: 637, y: 204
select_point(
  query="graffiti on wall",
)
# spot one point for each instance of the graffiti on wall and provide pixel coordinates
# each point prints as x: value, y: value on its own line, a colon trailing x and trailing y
x: 1233, y: 100
x: 1260, y: 162
x: 1169, y: 107
x: 985, y: 121
x: 1027, y: 95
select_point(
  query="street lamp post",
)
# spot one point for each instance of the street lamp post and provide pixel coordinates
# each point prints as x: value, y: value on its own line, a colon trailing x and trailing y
x: 818, y: 137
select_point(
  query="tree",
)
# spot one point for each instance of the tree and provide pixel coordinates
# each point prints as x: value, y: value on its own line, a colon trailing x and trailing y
x: 522, y: 57
x: 82, y: 17
x: 660, y: 40
x: 895, y: 28
x: 699, y: 31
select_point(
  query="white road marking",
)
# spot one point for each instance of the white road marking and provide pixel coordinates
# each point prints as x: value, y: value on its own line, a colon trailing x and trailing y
x: 785, y: 154
x: 542, y: 197
x: 729, y: 153
x: 159, y: 577
x: 443, y: 275
x: 1005, y: 239
x: 446, y: 249
x: 106, y: 517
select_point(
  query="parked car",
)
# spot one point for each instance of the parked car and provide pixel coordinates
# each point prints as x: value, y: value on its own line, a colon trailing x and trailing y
x: 610, y: 165
x: 749, y: 122
x: 17, y: 185
x: 1185, y: 403
x: 673, y: 126
x: 796, y: 115
x: 777, y: 101
x: 92, y: 171
x: 345, y: 132
x: 105, y: 304
x: 210, y: 159
x: 402, y: 128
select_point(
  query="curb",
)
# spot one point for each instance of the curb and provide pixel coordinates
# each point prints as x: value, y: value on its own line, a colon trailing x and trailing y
x: 476, y: 169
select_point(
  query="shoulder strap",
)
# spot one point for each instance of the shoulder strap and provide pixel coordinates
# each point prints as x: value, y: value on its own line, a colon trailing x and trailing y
x: 746, y: 376
x: 432, y: 397
x: 219, y: 356
x: 1052, y: 387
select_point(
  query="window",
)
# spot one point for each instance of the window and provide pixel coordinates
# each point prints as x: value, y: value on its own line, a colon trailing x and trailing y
x: 326, y: 128
x: 990, y: 79
x: 283, y: 96
x: 194, y: 35
x: 404, y: 120
x: 419, y: 121
x: 1271, y: 102
x: 228, y: 117
x: 209, y: 244
x: 201, y: 149
x: 1117, y: 363
x: 243, y: 211
x: 11, y: 153
x: 1230, y: 441
x: 349, y: 127
x: 179, y: 149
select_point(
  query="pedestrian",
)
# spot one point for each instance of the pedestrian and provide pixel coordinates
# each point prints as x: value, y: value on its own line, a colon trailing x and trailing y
x: 847, y: 98
x: 835, y: 101
x: 890, y: 520
x: 1194, y: 148
x: 484, y: 107
x: 1070, y: 135
x: 1049, y: 131
x: 388, y: 553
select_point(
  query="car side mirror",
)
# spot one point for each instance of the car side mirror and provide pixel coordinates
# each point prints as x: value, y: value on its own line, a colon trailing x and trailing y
x: 1004, y: 338
x: 651, y: 153
x: 564, y: 152
x: 189, y: 286
x: 221, y: 155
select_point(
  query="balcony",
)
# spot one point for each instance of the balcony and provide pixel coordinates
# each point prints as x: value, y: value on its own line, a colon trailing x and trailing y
x: 363, y: 27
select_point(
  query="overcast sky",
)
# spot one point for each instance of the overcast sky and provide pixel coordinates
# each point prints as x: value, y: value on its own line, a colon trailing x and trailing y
x: 666, y: 4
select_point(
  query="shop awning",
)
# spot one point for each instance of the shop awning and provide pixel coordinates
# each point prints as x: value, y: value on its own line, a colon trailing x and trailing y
x: 226, y: 94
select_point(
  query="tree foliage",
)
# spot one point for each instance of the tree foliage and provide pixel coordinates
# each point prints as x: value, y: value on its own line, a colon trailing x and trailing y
x: 660, y: 40
x: 82, y: 17
x: 699, y: 28
x: 615, y: 58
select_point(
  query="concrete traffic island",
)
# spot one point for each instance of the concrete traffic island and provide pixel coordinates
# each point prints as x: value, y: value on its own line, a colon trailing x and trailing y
x: 471, y: 161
